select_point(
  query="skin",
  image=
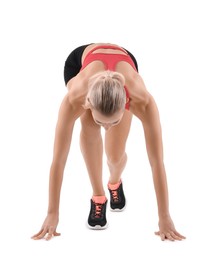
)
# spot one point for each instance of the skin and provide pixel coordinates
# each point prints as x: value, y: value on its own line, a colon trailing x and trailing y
x: 117, y: 126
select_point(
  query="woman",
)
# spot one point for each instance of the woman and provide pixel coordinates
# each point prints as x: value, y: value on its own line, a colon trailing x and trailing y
x: 105, y: 89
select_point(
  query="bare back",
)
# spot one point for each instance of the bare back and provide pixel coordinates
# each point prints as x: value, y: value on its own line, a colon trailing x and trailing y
x: 78, y: 85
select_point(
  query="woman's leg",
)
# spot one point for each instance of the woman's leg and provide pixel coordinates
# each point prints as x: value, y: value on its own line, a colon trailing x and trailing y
x: 92, y: 149
x: 115, y: 143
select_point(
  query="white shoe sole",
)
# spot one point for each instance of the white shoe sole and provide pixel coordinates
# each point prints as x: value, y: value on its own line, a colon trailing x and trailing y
x: 97, y: 227
x: 118, y: 210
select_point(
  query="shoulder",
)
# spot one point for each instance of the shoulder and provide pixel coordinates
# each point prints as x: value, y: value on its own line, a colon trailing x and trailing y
x: 138, y: 93
x: 77, y: 90
x: 137, y: 89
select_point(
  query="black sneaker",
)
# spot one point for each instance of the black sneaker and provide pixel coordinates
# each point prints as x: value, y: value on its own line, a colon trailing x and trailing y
x: 117, y: 199
x: 97, y: 216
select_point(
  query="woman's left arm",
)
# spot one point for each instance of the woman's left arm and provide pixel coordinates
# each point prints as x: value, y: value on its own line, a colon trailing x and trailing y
x: 146, y: 110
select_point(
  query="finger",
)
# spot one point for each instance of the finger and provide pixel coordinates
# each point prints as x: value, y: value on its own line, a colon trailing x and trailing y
x: 51, y: 231
x: 37, y: 234
x: 175, y: 236
x: 179, y: 235
x: 168, y: 236
x: 57, y: 234
x: 41, y: 235
x: 162, y: 236
x: 157, y: 233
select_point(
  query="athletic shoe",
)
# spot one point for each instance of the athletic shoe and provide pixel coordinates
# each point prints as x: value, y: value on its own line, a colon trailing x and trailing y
x: 97, y: 215
x: 117, y: 199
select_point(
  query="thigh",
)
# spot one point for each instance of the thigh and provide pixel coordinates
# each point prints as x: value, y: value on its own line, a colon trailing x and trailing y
x: 116, y: 137
x: 88, y: 126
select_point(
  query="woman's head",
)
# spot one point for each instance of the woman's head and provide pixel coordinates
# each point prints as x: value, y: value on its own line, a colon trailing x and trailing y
x: 106, y: 93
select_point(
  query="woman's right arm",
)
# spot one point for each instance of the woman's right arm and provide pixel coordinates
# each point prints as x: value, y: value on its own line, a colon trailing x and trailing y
x: 68, y: 114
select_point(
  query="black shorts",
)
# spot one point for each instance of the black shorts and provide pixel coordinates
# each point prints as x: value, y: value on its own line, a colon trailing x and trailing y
x: 73, y: 62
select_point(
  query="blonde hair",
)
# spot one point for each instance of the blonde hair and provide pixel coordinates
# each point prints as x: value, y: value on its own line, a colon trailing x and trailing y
x: 106, y: 92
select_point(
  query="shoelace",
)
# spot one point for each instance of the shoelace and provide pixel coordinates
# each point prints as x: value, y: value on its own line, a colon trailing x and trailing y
x: 97, y: 210
x: 115, y: 195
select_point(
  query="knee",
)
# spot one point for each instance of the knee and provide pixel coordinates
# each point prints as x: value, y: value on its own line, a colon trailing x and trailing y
x: 90, y: 134
x: 90, y: 130
x: 116, y: 159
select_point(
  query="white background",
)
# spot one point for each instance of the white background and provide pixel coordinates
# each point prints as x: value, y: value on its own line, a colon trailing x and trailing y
x: 176, y: 45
